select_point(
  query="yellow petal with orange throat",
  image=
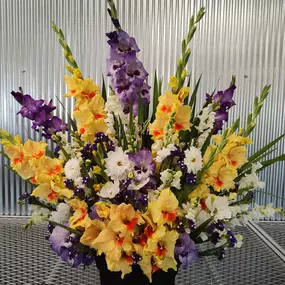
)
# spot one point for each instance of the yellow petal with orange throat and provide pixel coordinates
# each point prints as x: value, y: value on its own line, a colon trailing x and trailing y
x: 92, y: 232
x: 48, y: 169
x: 182, y: 118
x: 34, y: 150
x: 156, y: 129
x: 80, y: 217
x: 165, y: 209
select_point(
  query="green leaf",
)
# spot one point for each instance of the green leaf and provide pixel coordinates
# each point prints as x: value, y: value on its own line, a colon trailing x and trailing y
x: 140, y: 108
x: 4, y: 154
x: 71, y: 121
x: 66, y: 228
x: 50, y: 153
x: 192, y: 102
x: 104, y: 93
x: 272, y: 161
x: 200, y: 229
x: 123, y: 134
x: 265, y: 148
x: 155, y: 96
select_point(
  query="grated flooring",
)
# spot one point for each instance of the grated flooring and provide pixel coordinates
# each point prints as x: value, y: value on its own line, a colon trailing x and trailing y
x: 25, y: 258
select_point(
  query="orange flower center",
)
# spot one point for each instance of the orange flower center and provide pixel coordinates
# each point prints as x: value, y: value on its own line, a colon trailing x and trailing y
x: 73, y: 91
x: 98, y: 116
x: 169, y: 216
x: 52, y: 196
x: 19, y: 159
x: 166, y: 109
x: 157, y: 133
x: 82, y: 216
x: 82, y: 131
x: 88, y: 95
x: 55, y: 171
x: 218, y: 182
x: 161, y: 250
x: 131, y: 224
x: 178, y: 127
x: 40, y: 154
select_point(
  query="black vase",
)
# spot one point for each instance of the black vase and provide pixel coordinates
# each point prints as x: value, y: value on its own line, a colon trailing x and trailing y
x: 136, y: 277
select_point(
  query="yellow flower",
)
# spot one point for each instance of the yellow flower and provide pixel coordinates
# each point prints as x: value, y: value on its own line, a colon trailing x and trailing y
x: 168, y: 103
x: 80, y: 216
x: 182, y: 118
x: 73, y: 85
x: 48, y: 169
x: 183, y: 93
x: 96, y: 169
x: 146, y: 265
x: 201, y: 191
x: 90, y: 118
x: 52, y: 191
x: 124, y: 264
x: 235, y: 156
x: 164, y: 248
x: 112, y: 244
x: 34, y: 150
x: 165, y: 209
x: 156, y: 129
x: 124, y: 218
x: 102, y: 210
x: 92, y: 232
x: 173, y: 83
x: 220, y: 177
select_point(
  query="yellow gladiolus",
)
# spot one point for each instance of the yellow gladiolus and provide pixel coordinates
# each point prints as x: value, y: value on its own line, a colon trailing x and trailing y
x: 80, y: 216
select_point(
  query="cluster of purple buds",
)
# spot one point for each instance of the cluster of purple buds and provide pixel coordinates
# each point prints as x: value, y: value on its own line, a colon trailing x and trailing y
x: 180, y: 226
x: 79, y: 192
x: 231, y: 239
x: 69, y: 184
x: 40, y: 113
x: 191, y: 178
x: 181, y: 165
x: 225, y: 101
x: 136, y: 258
x: 87, y: 151
x: 192, y: 225
x: 85, y: 180
x: 126, y: 71
x: 221, y: 253
x: 100, y: 138
x: 215, y: 235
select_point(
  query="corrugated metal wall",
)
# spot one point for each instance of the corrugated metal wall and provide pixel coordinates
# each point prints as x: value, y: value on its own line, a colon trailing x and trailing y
x: 245, y: 38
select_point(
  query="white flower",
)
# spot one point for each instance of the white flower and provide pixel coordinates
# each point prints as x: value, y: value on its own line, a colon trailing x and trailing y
x: 39, y: 214
x: 170, y: 178
x: 239, y: 239
x: 62, y: 213
x: 72, y: 169
x: 164, y: 152
x: 110, y: 189
x: 252, y: 180
x: 156, y: 146
x: 191, y: 211
x: 219, y: 208
x: 193, y: 160
x: 117, y: 164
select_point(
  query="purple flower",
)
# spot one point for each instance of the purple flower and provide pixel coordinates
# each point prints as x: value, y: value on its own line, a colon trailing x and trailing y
x: 225, y: 100
x: 127, y: 73
x: 143, y: 161
x: 65, y: 245
x: 40, y: 114
x: 191, y: 178
x: 93, y: 215
x: 185, y: 250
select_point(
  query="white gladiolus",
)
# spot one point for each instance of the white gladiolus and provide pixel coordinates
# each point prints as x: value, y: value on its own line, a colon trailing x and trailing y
x: 62, y: 213
x: 110, y: 190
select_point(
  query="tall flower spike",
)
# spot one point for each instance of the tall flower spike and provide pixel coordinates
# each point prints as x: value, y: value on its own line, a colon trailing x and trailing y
x: 127, y: 73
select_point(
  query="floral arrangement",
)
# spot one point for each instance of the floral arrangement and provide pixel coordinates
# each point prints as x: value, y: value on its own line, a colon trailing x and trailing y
x: 139, y: 187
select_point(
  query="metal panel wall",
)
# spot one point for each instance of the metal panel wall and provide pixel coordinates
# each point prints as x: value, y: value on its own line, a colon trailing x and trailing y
x: 244, y: 38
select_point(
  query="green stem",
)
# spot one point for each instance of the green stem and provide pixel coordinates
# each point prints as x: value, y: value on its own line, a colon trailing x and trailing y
x: 66, y: 228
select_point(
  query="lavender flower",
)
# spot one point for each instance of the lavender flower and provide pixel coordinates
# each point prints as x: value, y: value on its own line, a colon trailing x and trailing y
x: 127, y: 73
x: 185, y: 250
x: 65, y: 244
x: 225, y: 100
x: 40, y: 114
x: 143, y: 161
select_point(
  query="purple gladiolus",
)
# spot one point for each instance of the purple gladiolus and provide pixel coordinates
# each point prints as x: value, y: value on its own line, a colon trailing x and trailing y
x: 185, y: 250
x: 127, y: 73
x: 225, y: 101
x: 40, y: 114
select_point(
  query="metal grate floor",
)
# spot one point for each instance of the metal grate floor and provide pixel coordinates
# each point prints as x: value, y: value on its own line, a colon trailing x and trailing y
x: 25, y: 258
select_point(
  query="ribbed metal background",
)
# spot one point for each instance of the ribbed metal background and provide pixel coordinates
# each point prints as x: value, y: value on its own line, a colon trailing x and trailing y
x: 244, y: 38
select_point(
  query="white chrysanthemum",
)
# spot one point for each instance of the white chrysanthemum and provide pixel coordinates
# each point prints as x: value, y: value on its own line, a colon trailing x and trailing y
x: 110, y: 189
x: 164, y: 152
x: 193, y: 160
x: 191, y: 211
x: 117, y: 164
x: 62, y: 213
x: 72, y: 169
